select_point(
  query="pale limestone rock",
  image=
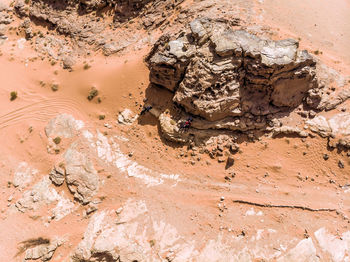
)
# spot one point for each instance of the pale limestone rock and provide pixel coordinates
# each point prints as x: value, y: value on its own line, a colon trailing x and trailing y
x: 64, y: 126
x: 24, y: 174
x: 127, y: 117
x: 81, y: 176
x: 304, y: 251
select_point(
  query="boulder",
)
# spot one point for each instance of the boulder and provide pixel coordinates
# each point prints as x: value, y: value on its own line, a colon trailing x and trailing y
x: 170, y: 129
x: 336, y: 128
x: 43, y: 252
x: 126, y: 117
x: 216, y: 72
x: 81, y: 176
x: 63, y: 125
x: 68, y: 62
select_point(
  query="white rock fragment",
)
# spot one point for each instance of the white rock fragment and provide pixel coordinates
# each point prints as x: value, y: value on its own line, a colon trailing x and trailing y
x: 127, y: 117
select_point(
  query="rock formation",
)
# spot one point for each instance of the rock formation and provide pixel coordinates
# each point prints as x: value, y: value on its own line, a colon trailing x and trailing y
x: 231, y: 79
x: 81, y: 176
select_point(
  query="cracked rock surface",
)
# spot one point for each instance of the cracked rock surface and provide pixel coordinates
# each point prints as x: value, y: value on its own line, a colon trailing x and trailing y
x: 216, y: 72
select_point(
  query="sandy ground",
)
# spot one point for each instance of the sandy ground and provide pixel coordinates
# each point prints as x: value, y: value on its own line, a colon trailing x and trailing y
x: 281, y: 171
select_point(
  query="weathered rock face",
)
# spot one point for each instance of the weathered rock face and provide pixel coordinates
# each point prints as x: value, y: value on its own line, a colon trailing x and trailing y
x: 216, y: 72
x: 81, y: 177
x: 43, y: 252
x: 57, y: 175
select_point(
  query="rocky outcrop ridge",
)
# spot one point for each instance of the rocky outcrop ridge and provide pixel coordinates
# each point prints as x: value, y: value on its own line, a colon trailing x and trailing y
x: 221, y: 74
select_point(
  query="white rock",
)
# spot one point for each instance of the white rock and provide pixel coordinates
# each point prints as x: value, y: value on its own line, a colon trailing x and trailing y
x: 63, y: 125
x: 23, y: 175
x: 304, y: 251
x: 127, y: 117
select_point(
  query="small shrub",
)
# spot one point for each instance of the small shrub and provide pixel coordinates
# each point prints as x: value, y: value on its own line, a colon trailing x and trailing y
x: 92, y: 94
x: 152, y: 242
x: 54, y: 87
x: 13, y: 95
x: 57, y: 140
x: 87, y: 66
x: 101, y: 117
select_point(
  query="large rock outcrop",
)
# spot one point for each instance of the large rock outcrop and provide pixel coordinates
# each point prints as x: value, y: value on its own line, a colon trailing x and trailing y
x: 218, y: 73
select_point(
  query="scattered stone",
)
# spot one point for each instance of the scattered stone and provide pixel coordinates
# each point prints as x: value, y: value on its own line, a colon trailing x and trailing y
x: 3, y: 29
x: 230, y: 161
x: 234, y: 148
x: 341, y: 164
x: 91, y: 208
x: 325, y: 156
x: 127, y: 117
x: 221, y: 160
x: 68, y: 62
x: 10, y: 198
x: 119, y: 210
x: 228, y: 178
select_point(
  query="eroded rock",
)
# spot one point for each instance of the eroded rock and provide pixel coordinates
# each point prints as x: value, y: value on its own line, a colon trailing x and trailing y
x: 81, y: 177
x: 336, y: 128
x: 63, y: 125
x: 43, y: 252
x: 216, y: 72
x: 57, y: 174
x: 126, y: 117
x: 171, y: 130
